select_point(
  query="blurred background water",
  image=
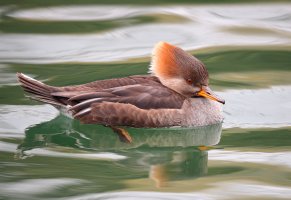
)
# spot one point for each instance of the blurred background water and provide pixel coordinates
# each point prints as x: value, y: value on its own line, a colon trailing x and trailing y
x: 247, y: 50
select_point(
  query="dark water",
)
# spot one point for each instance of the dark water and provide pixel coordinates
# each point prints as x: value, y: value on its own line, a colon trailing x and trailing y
x: 247, y: 50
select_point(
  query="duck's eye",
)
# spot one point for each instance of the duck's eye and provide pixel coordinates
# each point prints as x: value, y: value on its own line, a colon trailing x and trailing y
x: 189, y: 81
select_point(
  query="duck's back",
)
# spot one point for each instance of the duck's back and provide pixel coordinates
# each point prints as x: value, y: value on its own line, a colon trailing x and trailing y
x: 138, y: 101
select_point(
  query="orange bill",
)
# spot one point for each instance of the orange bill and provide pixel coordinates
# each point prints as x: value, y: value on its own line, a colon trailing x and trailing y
x: 207, y: 93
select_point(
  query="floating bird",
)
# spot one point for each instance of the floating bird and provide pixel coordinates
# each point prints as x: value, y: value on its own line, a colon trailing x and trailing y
x: 176, y: 93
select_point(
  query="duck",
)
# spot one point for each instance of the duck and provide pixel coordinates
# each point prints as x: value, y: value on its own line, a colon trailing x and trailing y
x: 175, y: 93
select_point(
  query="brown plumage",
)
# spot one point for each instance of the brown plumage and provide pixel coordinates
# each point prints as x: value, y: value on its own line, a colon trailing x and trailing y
x: 162, y: 99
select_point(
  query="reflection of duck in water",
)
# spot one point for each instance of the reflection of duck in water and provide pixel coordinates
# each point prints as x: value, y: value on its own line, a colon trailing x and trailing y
x: 166, y: 153
x: 176, y: 94
x: 66, y: 132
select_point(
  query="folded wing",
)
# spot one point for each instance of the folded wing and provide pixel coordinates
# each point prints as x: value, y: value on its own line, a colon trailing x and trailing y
x: 131, y: 105
x: 139, y: 101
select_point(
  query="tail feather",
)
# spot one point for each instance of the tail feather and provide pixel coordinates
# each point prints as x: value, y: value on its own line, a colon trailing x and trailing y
x: 38, y: 90
x: 33, y: 86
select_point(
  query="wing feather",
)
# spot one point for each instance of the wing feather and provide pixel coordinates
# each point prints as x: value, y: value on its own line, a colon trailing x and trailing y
x: 140, y: 105
x: 139, y: 101
x: 142, y: 96
x: 119, y: 114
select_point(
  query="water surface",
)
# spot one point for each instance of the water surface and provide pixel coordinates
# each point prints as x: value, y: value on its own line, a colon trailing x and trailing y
x: 246, y: 48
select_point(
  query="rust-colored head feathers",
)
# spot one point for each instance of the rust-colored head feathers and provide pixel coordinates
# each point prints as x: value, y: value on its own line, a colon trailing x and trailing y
x: 169, y: 61
x: 164, y: 60
x: 176, y: 68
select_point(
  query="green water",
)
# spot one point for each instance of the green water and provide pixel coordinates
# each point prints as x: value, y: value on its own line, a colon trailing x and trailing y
x: 247, y: 50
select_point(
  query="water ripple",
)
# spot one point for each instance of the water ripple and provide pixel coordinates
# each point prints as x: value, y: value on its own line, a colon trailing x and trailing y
x: 258, y: 108
x: 220, y: 190
x: 274, y: 158
x: 206, y: 26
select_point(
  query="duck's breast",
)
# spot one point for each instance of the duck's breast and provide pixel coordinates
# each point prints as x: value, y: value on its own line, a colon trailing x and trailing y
x: 201, y: 112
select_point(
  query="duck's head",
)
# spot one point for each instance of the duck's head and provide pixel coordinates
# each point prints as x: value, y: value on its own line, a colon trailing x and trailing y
x: 181, y: 72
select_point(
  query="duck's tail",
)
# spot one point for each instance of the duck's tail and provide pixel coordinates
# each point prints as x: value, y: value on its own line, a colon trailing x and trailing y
x: 38, y: 90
